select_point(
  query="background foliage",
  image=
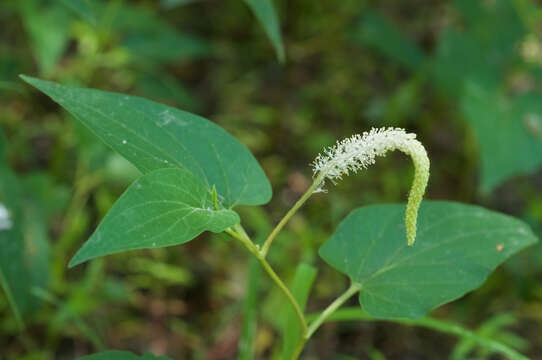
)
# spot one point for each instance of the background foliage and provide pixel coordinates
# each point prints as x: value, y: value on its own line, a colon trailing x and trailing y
x: 464, y: 75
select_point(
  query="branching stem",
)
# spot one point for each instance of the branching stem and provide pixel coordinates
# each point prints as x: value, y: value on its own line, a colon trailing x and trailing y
x: 241, y: 235
x: 289, y: 214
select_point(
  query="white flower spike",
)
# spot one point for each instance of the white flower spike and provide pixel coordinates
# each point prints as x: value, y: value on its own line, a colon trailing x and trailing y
x: 359, y: 151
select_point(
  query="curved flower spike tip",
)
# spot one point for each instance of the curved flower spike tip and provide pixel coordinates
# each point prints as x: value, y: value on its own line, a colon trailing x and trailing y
x: 359, y: 151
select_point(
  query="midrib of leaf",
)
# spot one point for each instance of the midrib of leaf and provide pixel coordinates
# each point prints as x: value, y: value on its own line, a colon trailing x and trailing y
x: 226, y: 181
x: 122, y: 125
x: 153, y: 218
x: 154, y: 136
x: 185, y: 149
x: 182, y: 218
x: 245, y: 185
x: 186, y: 207
x: 219, y: 161
x: 182, y: 190
x: 135, y: 134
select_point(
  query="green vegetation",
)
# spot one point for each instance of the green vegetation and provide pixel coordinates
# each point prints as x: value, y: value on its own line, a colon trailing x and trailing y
x: 131, y: 228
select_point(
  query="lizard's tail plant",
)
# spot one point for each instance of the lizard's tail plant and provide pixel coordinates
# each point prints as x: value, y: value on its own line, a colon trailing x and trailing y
x: 184, y: 176
x: 359, y: 152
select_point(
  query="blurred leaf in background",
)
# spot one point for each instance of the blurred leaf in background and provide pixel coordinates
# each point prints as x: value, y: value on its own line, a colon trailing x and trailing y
x: 509, y: 132
x: 267, y: 16
x: 27, y: 205
x: 46, y: 25
x: 15, y: 274
x: 83, y: 8
x: 122, y: 355
x: 376, y: 32
x: 479, y: 53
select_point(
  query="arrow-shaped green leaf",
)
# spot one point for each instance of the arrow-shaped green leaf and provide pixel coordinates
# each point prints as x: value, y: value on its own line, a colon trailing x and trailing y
x: 154, y: 136
x: 163, y: 208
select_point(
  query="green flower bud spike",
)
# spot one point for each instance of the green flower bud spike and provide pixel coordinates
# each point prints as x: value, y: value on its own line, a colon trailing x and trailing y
x: 359, y: 152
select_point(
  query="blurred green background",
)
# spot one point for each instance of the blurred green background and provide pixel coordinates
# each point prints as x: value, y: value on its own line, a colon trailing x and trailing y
x: 464, y: 75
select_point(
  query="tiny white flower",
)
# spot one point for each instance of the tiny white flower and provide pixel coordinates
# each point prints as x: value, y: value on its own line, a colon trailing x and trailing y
x: 359, y: 151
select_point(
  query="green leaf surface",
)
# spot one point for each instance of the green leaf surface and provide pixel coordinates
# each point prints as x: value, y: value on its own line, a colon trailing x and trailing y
x: 508, y: 133
x: 41, y: 200
x: 377, y: 32
x: 471, y: 11
x: 149, y: 37
x: 41, y: 192
x: 476, y: 53
x: 171, y: 4
x: 163, y: 208
x: 122, y: 355
x: 154, y: 136
x: 15, y: 275
x: 456, y: 248
x: 304, y: 279
x: 502, y: 17
x: 458, y: 57
x: 82, y: 8
x: 266, y: 14
x: 25, y: 207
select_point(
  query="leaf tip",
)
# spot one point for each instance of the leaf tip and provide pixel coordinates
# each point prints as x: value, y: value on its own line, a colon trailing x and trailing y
x: 76, y: 260
x: 30, y: 80
x: 26, y: 78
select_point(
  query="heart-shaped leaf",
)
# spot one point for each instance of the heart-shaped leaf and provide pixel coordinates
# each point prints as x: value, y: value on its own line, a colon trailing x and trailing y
x: 163, y: 208
x: 456, y: 248
x: 154, y: 136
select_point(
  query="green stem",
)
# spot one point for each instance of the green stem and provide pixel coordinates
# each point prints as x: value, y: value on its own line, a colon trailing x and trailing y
x: 289, y: 214
x: 322, y: 317
x: 349, y: 314
x: 245, y: 241
x: 354, y: 288
x: 299, y: 348
x: 286, y: 292
x: 272, y: 274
